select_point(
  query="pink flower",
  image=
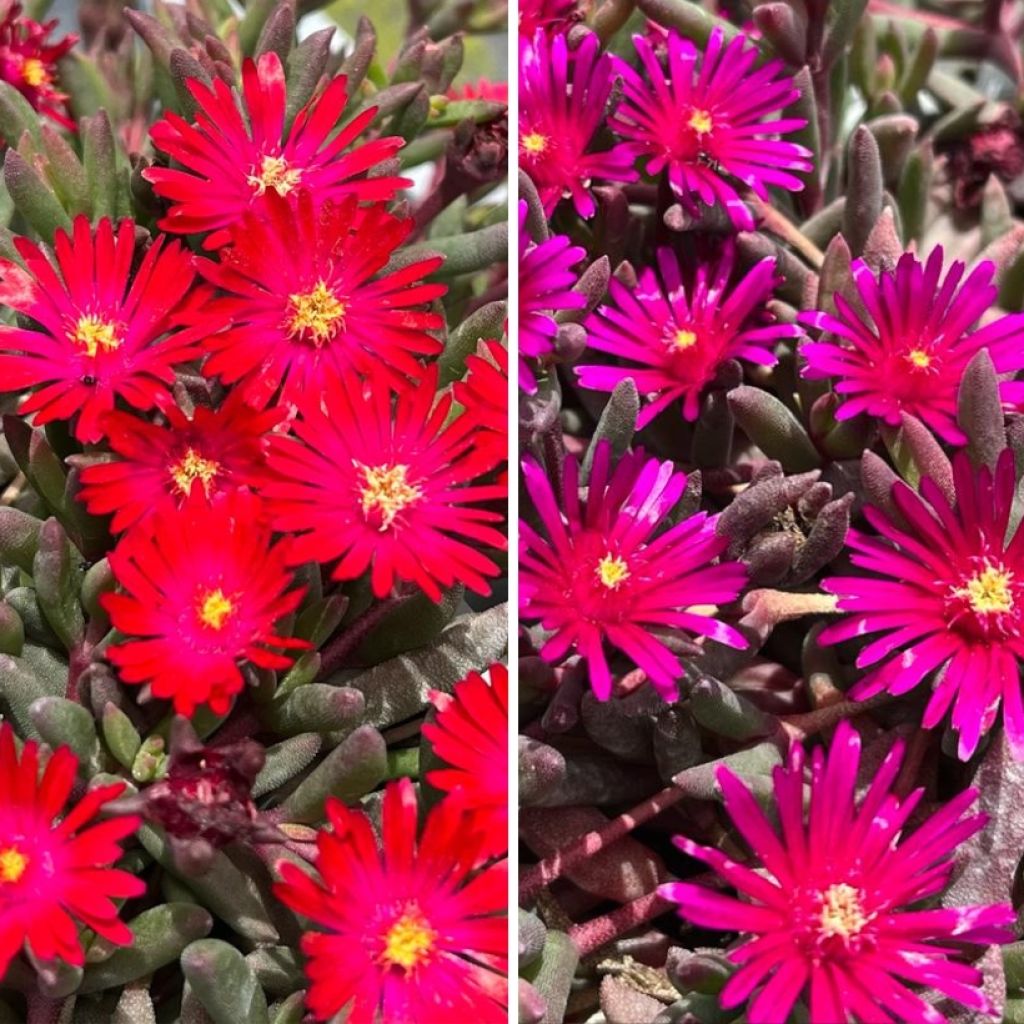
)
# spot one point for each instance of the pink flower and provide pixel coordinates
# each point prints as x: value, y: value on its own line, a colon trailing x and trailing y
x: 550, y: 15
x: 412, y: 933
x: 711, y: 121
x: 598, y: 573
x: 675, y: 337
x: 830, y: 901
x: 562, y: 102
x: 908, y: 351
x: 546, y: 279
x: 946, y: 593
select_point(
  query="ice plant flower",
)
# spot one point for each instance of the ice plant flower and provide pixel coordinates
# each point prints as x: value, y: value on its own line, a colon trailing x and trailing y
x: 375, y: 478
x: 55, y: 874
x: 470, y: 734
x: 562, y: 101
x: 157, y: 465
x: 421, y: 936
x: 909, y: 352
x: 28, y: 61
x: 236, y: 153
x: 546, y: 279
x: 101, y: 333
x: 484, y: 396
x: 710, y: 121
x: 831, y: 900
x: 202, y: 590
x: 306, y: 300
x: 674, y: 337
x: 945, y: 591
x: 599, y: 573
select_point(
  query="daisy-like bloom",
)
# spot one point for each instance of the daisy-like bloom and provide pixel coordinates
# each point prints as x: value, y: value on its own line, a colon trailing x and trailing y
x: 481, y: 89
x: 910, y: 352
x: 830, y: 901
x: 546, y: 279
x: 376, y: 479
x: 946, y: 594
x: 553, y: 16
x: 710, y: 121
x: 100, y: 333
x: 214, y: 452
x: 305, y: 300
x: 562, y: 101
x: 236, y: 154
x: 470, y: 734
x: 57, y: 874
x: 601, y: 572
x: 202, y: 589
x: 28, y: 61
x: 420, y: 936
x: 675, y: 337
x: 484, y: 396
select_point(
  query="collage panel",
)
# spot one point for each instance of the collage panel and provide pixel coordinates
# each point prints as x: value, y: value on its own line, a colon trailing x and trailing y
x: 770, y: 589
x: 254, y: 575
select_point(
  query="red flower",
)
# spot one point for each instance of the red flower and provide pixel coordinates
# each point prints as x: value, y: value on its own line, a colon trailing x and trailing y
x: 306, y: 300
x: 481, y: 89
x: 470, y: 733
x: 484, y: 396
x: 28, y: 61
x: 219, y: 450
x: 412, y: 934
x: 52, y: 875
x: 102, y: 332
x: 233, y: 156
x: 387, y: 489
x: 203, y: 589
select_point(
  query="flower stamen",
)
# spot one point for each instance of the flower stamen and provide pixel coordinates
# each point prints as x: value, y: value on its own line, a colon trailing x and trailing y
x: 919, y: 359
x: 408, y: 942
x: 683, y: 339
x: 95, y: 335
x: 612, y: 571
x: 989, y: 592
x: 386, y: 492
x: 34, y: 73
x: 701, y: 122
x: 318, y: 313
x: 274, y: 173
x: 194, y: 467
x: 842, y: 912
x: 13, y: 865
x: 534, y: 143
x: 214, y: 609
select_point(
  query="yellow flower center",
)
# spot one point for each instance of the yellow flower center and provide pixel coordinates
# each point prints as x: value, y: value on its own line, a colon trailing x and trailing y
x: 683, y: 340
x: 408, y: 943
x: 989, y: 592
x: 842, y: 912
x: 214, y: 609
x: 191, y: 468
x: 34, y: 73
x: 13, y: 864
x: 700, y: 121
x: 274, y: 173
x: 386, y: 491
x: 918, y: 358
x: 95, y: 335
x: 612, y: 571
x: 534, y: 143
x: 317, y: 313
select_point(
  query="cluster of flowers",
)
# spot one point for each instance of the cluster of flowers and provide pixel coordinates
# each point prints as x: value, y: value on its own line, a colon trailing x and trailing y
x: 331, y: 444
x: 613, y: 567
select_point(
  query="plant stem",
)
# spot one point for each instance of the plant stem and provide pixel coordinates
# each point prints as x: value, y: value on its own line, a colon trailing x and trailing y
x: 592, y: 935
x: 334, y: 654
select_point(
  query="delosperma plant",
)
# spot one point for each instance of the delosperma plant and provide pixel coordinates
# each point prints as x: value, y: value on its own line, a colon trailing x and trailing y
x: 253, y: 477
x: 772, y: 446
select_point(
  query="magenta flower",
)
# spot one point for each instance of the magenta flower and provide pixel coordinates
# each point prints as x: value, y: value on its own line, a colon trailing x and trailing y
x: 830, y: 901
x: 545, y: 285
x: 600, y: 573
x: 562, y: 101
x: 675, y: 337
x: 910, y: 351
x: 547, y: 15
x: 946, y: 593
x: 711, y: 120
